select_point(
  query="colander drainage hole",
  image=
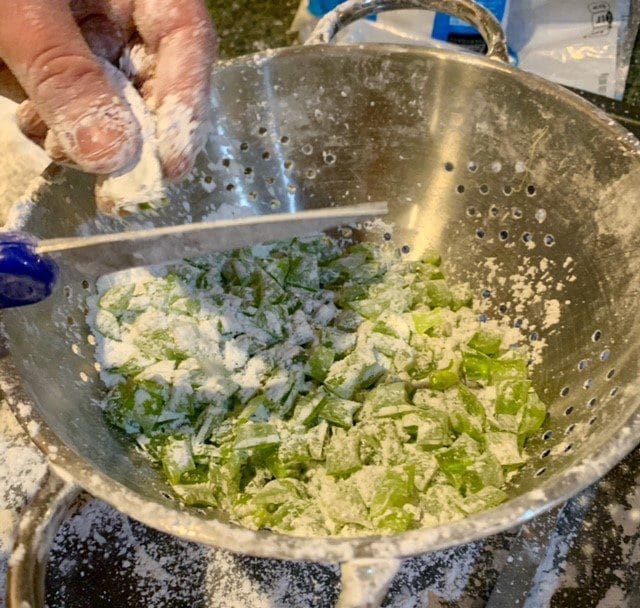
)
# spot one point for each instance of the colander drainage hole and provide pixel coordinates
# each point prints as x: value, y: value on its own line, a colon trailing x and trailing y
x: 547, y: 435
x: 226, y: 162
x: 472, y: 166
x: 507, y: 190
x: 494, y: 211
x: 244, y: 146
x: 568, y: 448
x: 386, y: 236
x: 253, y: 195
x: 486, y: 293
x: 471, y: 211
x: 569, y: 411
x: 329, y: 158
x: 484, y: 189
x: 593, y: 420
x: 518, y: 323
x: 480, y: 233
x: 448, y: 166
x: 70, y: 321
x: 527, y: 237
x: 502, y: 308
x: 587, y: 384
x: 230, y: 187
x: 166, y: 495
x: 605, y: 354
x: 288, y: 164
x: 248, y: 170
x: 460, y: 188
x: 311, y: 173
x: 610, y: 374
x: 531, y: 190
x: 266, y: 155
x: 591, y: 402
x: 533, y: 337
x: 85, y: 284
x: 275, y: 203
x: 504, y: 235
x: 597, y: 334
x: 614, y: 392
x: 516, y: 212
x: 564, y: 391
x: 549, y: 240
x: 284, y: 139
x: 541, y: 471
x: 405, y: 249
x: 270, y: 180
x: 582, y: 364
x: 546, y: 453
x: 569, y: 429
x: 262, y: 131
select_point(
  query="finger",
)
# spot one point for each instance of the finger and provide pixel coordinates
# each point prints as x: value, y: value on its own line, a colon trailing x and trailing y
x: 44, y: 48
x: 182, y: 37
x: 30, y: 122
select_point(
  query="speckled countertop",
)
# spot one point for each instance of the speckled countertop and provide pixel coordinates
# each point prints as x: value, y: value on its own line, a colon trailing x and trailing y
x: 585, y: 554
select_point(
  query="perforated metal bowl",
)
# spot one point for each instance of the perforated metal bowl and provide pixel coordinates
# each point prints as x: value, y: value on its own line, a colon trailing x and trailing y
x: 506, y: 174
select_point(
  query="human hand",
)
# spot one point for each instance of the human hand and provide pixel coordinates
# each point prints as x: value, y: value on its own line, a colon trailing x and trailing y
x: 55, y: 49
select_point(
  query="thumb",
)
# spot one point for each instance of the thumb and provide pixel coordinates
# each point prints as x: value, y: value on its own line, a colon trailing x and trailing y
x: 43, y: 47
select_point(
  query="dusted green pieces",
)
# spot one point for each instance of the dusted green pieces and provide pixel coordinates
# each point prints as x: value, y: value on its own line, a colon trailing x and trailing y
x: 308, y: 389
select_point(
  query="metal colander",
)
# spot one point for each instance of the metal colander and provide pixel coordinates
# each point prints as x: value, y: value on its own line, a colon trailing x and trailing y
x: 529, y: 192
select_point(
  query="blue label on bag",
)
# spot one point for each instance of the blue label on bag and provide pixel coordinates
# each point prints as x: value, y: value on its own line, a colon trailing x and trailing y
x: 446, y: 27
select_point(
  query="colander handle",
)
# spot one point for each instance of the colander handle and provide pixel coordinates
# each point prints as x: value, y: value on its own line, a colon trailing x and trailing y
x: 39, y: 523
x: 467, y: 10
x: 25, y: 276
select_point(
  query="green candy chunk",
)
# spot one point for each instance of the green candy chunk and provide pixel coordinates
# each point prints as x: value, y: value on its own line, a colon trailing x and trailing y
x: 341, y: 454
x: 485, y: 342
x: 256, y: 434
x: 177, y: 458
x: 320, y: 362
x: 339, y: 412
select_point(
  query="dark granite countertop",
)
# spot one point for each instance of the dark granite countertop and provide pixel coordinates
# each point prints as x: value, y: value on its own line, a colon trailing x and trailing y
x: 584, y: 554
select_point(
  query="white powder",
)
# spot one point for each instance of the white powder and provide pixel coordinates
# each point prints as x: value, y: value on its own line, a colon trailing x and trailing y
x: 552, y: 313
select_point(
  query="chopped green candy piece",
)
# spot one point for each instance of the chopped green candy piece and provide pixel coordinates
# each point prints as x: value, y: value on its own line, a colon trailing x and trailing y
x: 477, y: 367
x: 354, y: 372
x: 195, y: 488
x: 486, y: 498
x: 431, y: 256
x: 293, y: 450
x: 505, y: 422
x: 257, y: 409
x: 341, y: 502
x: 388, y: 400
x: 424, y: 321
x: 485, y: 342
x: 437, y: 294
x: 319, y: 362
x: 533, y: 416
x: 461, y: 296
x: 504, y: 446
x: 340, y: 342
x: 277, y: 268
x: 425, y: 398
x: 270, y: 504
x: 107, y: 325
x: 136, y: 406
x: 237, y: 271
x: 506, y: 369
x: 159, y: 344
x: 424, y: 465
x: 187, y: 306
x: 471, y: 402
x: 303, y: 273
x: 443, y: 503
x: 177, y: 458
x: 339, y: 412
x: 308, y: 407
x: 443, y: 379
x: 433, y: 431
x: 352, y: 293
x: 464, y: 422
x: 316, y: 436
x: 341, y: 454
x: 348, y: 320
x: 256, y: 434
x: 397, y: 520
x: 467, y: 468
x: 267, y: 289
x: 511, y: 396
x: 367, y: 480
x: 272, y: 319
x: 368, y: 308
x: 394, y: 490
x: 116, y: 299
x: 344, y: 267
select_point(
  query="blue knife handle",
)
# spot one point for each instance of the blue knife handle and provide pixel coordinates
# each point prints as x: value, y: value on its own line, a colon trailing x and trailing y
x: 25, y: 276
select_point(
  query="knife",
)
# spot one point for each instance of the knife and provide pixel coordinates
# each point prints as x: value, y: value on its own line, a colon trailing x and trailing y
x: 28, y: 267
